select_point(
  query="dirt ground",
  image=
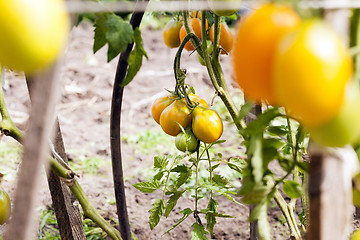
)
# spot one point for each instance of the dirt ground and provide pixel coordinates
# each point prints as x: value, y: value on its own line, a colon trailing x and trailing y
x: 84, y: 112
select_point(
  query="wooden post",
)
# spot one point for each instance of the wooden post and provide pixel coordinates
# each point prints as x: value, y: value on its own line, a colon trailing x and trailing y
x: 35, y: 156
x: 330, y: 192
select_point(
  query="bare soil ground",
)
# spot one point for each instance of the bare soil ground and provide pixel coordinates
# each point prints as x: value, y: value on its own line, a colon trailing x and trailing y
x: 84, y: 112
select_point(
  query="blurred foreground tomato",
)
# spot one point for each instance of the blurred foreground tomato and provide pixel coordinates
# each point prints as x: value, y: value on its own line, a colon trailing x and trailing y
x: 311, y: 69
x: 32, y: 33
x: 255, y: 44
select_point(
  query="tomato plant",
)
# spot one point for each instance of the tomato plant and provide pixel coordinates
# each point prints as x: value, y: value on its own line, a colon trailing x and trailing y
x: 207, y: 125
x: 5, y: 206
x: 33, y: 33
x: 173, y: 115
x: 255, y: 44
x: 311, y: 69
x: 186, y: 141
x: 171, y: 33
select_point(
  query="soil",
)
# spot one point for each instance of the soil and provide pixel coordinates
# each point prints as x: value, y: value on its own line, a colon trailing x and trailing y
x: 84, y: 111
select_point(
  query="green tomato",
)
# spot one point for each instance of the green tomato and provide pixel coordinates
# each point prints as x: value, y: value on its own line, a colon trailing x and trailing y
x: 344, y: 128
x: 210, y: 50
x: 33, y: 33
x: 5, y: 206
x: 221, y: 12
x: 186, y: 142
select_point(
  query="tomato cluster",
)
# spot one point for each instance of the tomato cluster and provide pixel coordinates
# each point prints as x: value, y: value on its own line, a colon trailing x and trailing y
x: 175, y: 32
x: 302, y: 66
x: 189, y: 125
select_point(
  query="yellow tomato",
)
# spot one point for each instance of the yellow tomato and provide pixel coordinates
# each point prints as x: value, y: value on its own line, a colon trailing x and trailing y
x: 255, y: 42
x: 32, y: 33
x: 171, y: 33
x: 311, y: 69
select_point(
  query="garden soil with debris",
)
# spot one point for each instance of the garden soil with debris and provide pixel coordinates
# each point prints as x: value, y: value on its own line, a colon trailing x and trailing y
x: 84, y: 113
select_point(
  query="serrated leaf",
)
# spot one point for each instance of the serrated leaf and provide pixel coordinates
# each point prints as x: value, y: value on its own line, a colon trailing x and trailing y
x: 220, y: 180
x: 148, y: 187
x: 262, y: 121
x: 172, y: 202
x: 186, y: 212
x: 292, y: 189
x: 156, y: 212
x: 278, y: 130
x: 180, y: 168
x: 159, y: 175
x: 183, y: 176
x: 222, y: 191
x: 100, y: 31
x: 198, y: 232
x: 160, y: 162
x: 211, y: 219
x: 135, y: 58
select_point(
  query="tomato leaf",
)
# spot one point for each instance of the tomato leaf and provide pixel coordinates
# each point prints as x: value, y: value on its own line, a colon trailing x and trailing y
x: 135, y: 58
x: 172, y: 202
x: 113, y: 30
x: 198, y: 232
x: 186, y: 212
x: 278, y: 130
x: 262, y: 121
x: 292, y: 189
x: 183, y: 176
x: 180, y: 168
x: 220, y: 180
x: 212, y: 207
x: 148, y: 187
x: 160, y: 162
x: 156, y: 212
x: 245, y: 109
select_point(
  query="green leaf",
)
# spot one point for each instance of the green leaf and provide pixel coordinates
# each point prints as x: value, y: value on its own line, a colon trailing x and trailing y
x: 183, y: 176
x: 172, y: 202
x: 292, y: 189
x: 148, y: 187
x: 300, y: 134
x: 159, y: 175
x: 285, y: 164
x: 278, y: 130
x: 214, y: 167
x: 304, y: 166
x: 245, y: 109
x: 186, y: 212
x: 180, y: 168
x: 211, y: 219
x: 160, y: 162
x: 156, y: 212
x: 258, y: 194
x: 198, y: 232
x: 135, y: 58
x: 262, y: 121
x: 220, y: 180
x: 113, y: 30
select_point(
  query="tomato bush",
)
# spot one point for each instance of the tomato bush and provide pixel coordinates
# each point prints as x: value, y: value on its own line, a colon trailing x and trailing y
x: 255, y: 44
x: 171, y: 33
x: 32, y: 33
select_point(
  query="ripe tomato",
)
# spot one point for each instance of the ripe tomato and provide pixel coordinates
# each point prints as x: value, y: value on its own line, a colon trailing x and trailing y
x: 196, y: 26
x: 311, y: 69
x: 221, y: 12
x: 32, y: 33
x: 344, y: 128
x: 5, y: 206
x: 171, y: 33
x: 255, y: 43
x: 226, y: 38
x: 175, y: 114
x: 159, y: 105
x: 199, y: 100
x: 207, y: 126
x: 186, y: 142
